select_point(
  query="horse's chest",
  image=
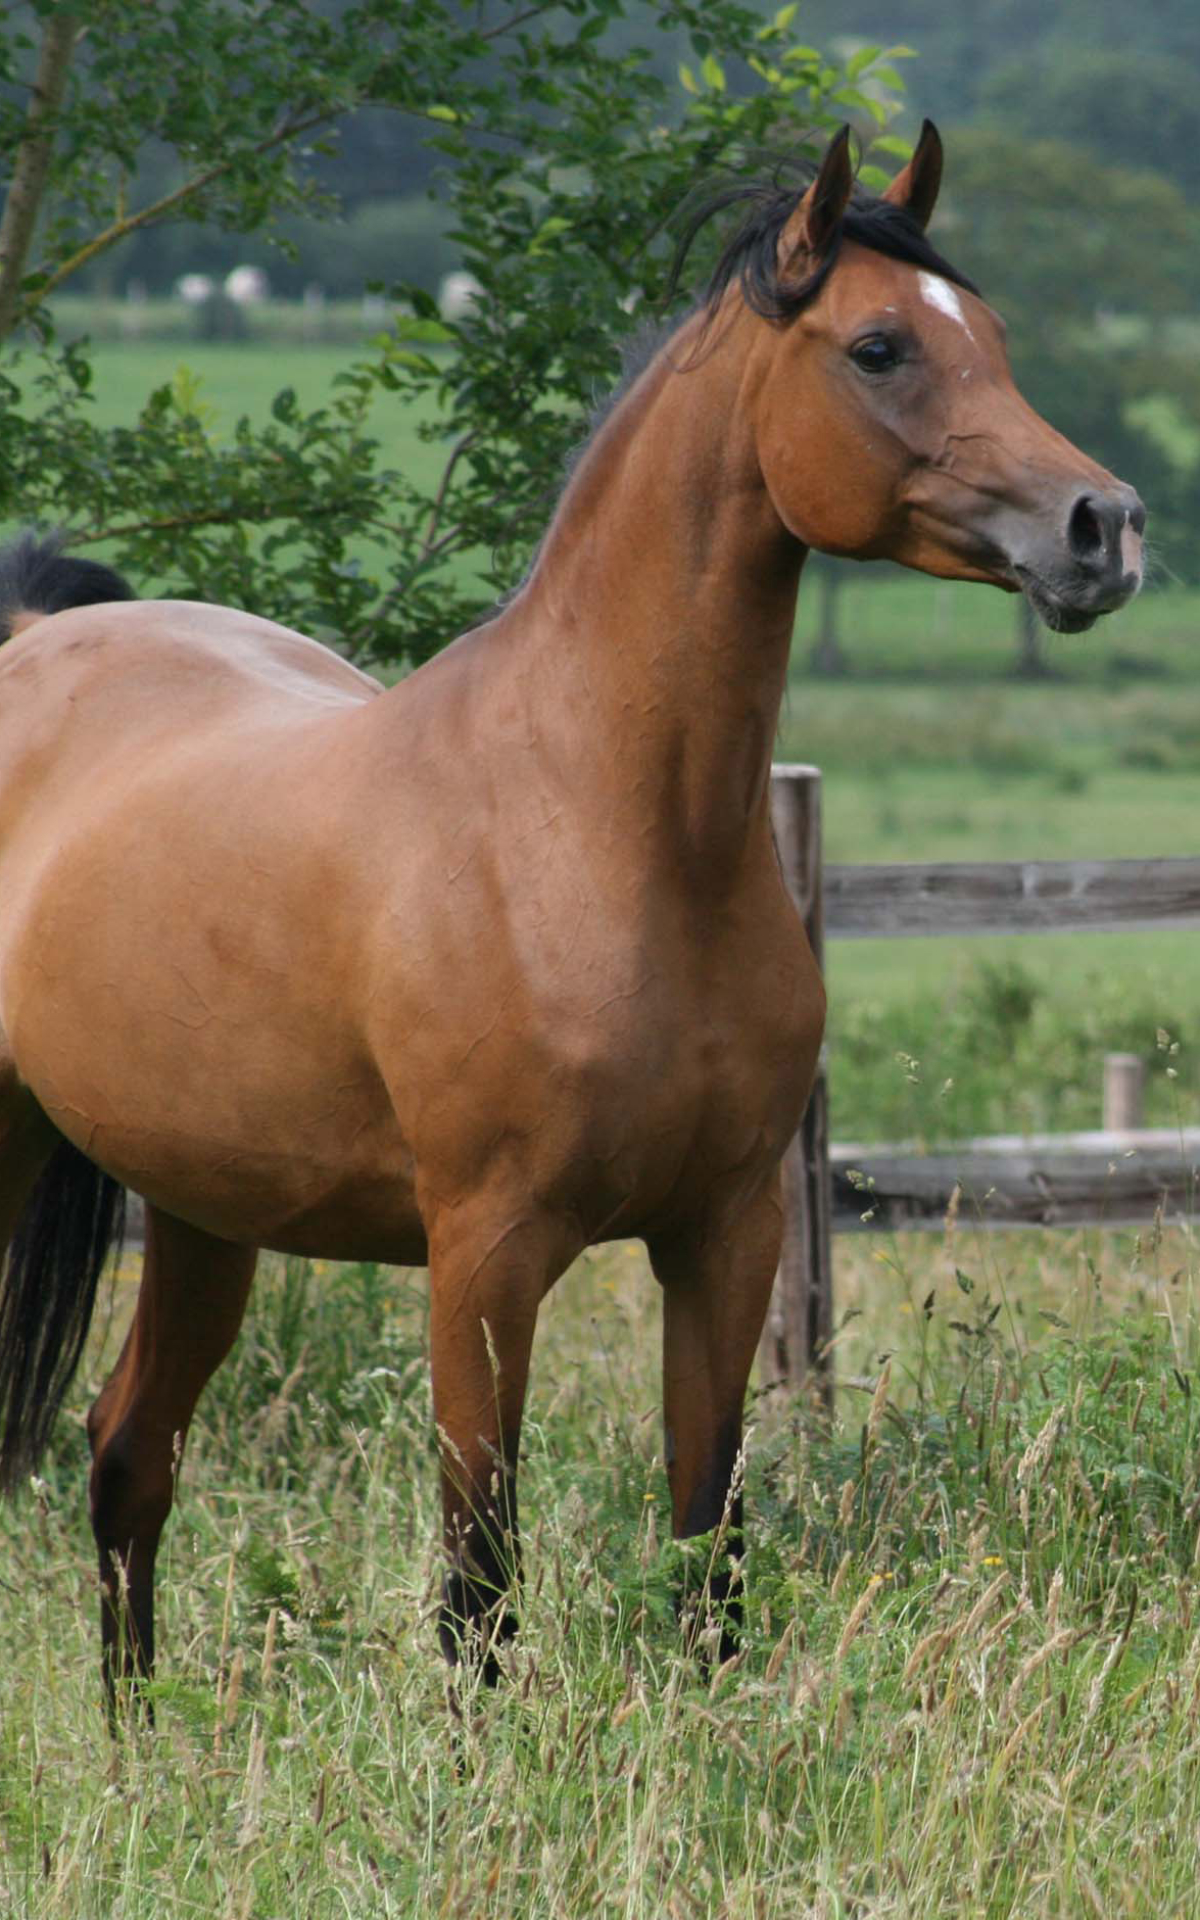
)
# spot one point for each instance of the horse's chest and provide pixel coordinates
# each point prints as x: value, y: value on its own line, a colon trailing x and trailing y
x: 628, y: 1082
x: 721, y: 1057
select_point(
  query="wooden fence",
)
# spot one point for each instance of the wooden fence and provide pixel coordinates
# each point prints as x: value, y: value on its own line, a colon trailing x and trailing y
x: 1112, y: 1177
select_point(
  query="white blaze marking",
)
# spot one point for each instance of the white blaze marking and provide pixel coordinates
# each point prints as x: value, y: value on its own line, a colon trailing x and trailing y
x: 938, y: 293
x: 1131, y: 548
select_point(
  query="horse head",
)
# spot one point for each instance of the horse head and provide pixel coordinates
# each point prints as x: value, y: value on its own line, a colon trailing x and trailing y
x: 889, y: 425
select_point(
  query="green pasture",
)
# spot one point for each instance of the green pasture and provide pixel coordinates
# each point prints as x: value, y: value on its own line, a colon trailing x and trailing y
x: 970, y: 1687
x: 930, y: 749
x: 235, y: 378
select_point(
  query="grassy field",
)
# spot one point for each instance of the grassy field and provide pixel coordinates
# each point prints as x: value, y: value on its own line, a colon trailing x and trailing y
x: 1075, y: 768
x: 971, y: 1681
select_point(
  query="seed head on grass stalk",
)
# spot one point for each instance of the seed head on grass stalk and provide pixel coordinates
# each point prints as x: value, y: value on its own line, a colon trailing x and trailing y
x: 858, y: 1613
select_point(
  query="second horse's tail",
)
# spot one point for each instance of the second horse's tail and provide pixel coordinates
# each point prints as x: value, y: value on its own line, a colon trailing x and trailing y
x: 75, y: 1212
x: 73, y: 1217
x: 37, y: 577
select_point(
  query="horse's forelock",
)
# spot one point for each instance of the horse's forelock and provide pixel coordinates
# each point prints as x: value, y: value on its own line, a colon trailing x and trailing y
x: 750, y: 257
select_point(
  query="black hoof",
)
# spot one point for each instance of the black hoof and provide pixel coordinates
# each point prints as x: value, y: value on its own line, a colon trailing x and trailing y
x: 472, y: 1624
x: 716, y: 1608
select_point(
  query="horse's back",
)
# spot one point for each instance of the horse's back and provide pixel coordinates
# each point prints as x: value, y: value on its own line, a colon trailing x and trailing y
x: 163, y: 665
x: 123, y: 709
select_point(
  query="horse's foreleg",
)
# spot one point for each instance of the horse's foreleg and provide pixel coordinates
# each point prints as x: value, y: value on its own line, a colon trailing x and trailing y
x: 192, y: 1299
x: 716, y: 1288
x: 489, y: 1270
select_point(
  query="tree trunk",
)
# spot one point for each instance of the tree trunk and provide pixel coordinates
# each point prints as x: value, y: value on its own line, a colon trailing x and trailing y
x: 1032, y: 663
x: 32, y: 163
x: 795, y: 1341
x: 827, y: 657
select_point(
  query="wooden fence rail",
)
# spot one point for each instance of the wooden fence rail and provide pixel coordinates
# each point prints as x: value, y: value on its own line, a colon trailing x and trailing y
x: 1114, y: 1178
x: 1046, y: 1180
x: 1010, y: 896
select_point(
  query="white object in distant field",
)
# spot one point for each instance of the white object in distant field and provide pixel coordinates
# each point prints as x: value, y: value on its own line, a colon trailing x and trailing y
x: 246, y: 286
x: 457, y: 294
x: 195, y: 288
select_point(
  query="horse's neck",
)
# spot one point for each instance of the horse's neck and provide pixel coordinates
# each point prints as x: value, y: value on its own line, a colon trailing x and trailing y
x: 660, y: 611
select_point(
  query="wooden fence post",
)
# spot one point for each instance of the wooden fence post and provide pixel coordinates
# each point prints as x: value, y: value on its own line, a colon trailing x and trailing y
x: 1124, y: 1087
x: 800, y: 1317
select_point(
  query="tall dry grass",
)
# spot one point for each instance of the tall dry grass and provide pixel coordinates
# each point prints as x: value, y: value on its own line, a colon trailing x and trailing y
x: 971, y: 1679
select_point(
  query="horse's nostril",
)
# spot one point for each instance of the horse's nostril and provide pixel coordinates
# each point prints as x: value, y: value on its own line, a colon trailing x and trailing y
x: 1085, y: 529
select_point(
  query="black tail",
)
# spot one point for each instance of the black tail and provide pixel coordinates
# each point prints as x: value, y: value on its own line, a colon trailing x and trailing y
x: 48, y: 1289
x: 36, y: 576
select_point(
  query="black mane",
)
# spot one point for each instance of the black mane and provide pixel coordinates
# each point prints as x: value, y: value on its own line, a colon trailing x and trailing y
x: 751, y: 255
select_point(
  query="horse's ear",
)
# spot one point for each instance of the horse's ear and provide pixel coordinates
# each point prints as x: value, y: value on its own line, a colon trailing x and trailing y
x: 812, y: 226
x: 915, y: 187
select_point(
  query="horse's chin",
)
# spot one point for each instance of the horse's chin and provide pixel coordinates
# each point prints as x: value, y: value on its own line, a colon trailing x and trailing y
x: 1054, y: 613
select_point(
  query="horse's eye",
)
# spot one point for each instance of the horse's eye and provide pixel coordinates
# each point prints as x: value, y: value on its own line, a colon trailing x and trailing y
x: 875, y: 354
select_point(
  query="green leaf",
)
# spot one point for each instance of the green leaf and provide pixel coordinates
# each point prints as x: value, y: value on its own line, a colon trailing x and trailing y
x: 851, y: 97
x: 860, y: 60
x: 443, y: 113
x: 774, y: 28
x: 432, y: 330
x: 714, y: 72
x: 549, y: 230
x: 687, y: 79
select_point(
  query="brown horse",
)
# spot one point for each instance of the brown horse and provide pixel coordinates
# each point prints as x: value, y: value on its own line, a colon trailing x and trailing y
x: 498, y: 963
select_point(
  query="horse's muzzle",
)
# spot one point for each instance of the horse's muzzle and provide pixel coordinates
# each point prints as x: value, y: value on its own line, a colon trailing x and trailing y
x: 1093, y: 566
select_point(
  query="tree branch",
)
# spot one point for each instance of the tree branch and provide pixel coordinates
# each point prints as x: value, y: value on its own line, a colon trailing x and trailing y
x: 518, y: 20
x: 454, y: 536
x: 32, y: 163
x: 158, y: 209
x: 459, y: 448
x: 234, y: 515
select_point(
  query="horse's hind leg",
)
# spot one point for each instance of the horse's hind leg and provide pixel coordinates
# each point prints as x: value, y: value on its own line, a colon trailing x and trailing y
x: 193, y: 1295
x: 716, y: 1289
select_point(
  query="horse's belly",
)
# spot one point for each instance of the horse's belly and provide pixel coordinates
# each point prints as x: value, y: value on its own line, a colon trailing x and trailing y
x: 303, y: 1162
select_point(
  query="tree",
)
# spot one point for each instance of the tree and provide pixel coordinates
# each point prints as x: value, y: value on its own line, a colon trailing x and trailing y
x: 1073, y: 68
x: 564, y: 153
x: 1123, y: 105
